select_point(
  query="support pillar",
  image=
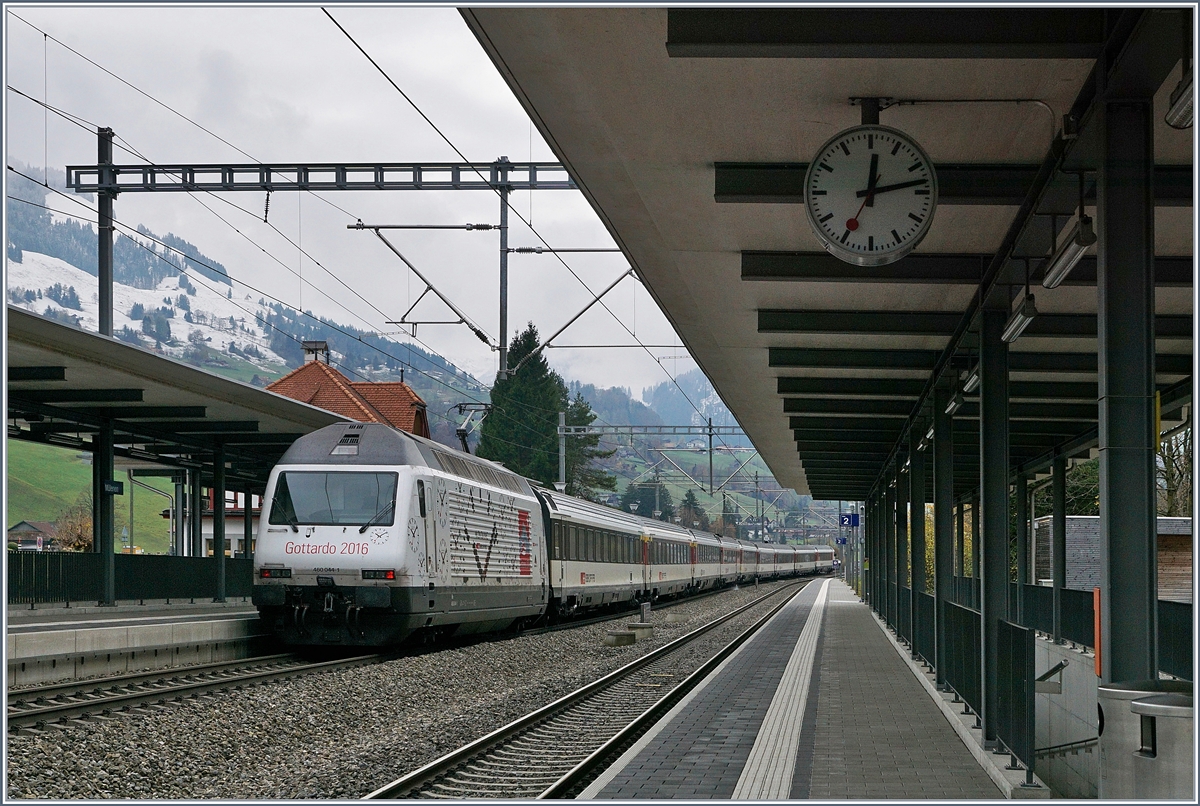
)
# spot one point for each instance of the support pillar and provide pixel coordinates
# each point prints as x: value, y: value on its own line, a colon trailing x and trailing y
x: 1017, y: 609
x: 180, y: 519
x: 248, y: 524
x: 916, y: 540
x: 992, y: 560
x: 104, y: 227
x: 195, y: 510
x: 562, y: 451
x: 103, y: 509
x: 960, y: 539
x: 504, y: 190
x: 1128, y: 442
x: 976, y: 536
x: 889, y: 552
x: 902, y: 540
x: 1058, y: 538
x: 943, y: 520
x: 219, y: 518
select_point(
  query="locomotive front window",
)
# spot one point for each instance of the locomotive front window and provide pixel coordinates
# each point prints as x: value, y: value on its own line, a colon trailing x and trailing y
x: 334, y: 499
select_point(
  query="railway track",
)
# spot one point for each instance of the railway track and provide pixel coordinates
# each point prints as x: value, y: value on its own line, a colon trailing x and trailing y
x: 558, y: 749
x: 60, y: 705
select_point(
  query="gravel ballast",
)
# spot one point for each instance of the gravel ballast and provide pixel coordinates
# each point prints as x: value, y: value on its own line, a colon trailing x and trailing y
x: 337, y: 734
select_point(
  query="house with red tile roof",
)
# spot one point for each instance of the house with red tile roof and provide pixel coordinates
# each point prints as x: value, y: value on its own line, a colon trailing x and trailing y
x: 392, y: 403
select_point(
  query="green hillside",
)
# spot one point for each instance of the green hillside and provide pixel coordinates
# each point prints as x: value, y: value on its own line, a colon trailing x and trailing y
x: 44, y: 480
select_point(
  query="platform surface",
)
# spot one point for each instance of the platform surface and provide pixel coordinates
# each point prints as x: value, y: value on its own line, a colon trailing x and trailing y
x: 827, y: 712
x: 23, y: 620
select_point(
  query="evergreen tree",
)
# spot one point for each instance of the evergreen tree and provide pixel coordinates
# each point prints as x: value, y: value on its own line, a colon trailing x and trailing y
x: 521, y: 430
x: 644, y: 496
x: 690, y: 513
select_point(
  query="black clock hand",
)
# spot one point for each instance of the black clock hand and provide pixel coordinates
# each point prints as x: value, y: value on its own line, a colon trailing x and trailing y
x: 885, y: 188
x: 872, y: 179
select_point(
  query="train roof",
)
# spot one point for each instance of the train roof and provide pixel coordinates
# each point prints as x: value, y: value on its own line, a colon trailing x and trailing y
x: 579, y: 509
x: 379, y: 444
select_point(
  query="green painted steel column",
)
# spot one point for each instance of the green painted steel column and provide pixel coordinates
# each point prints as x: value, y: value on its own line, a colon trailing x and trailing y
x: 901, y: 537
x: 1058, y: 538
x: 1128, y: 441
x: 976, y: 535
x: 916, y: 539
x: 195, y: 512
x: 889, y: 553
x: 219, y: 518
x: 960, y: 540
x: 1021, y: 493
x: 993, y: 515
x: 103, y: 509
x: 943, y: 519
x: 248, y: 524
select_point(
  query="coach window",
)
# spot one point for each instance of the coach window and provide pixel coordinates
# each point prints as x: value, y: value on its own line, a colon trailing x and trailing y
x: 557, y: 540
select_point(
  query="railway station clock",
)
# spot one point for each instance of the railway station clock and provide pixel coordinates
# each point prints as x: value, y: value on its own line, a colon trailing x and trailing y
x: 870, y: 194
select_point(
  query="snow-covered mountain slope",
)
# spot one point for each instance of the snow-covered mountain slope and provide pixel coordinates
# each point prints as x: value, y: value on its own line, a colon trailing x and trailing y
x: 217, y: 320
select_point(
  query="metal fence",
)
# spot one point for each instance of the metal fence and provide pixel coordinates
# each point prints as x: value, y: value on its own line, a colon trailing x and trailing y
x: 904, y: 614
x: 963, y: 657
x: 37, y: 577
x: 1039, y: 608
x: 1014, y: 694
x: 1175, y: 638
x: 923, y: 630
x: 1078, y: 617
x: 52, y: 577
x: 964, y: 592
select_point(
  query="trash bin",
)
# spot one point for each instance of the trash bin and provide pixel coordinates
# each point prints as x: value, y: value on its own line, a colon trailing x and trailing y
x: 1162, y: 767
x: 1121, y: 731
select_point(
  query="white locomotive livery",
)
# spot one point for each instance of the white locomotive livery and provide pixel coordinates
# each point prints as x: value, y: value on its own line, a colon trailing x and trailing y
x: 369, y: 534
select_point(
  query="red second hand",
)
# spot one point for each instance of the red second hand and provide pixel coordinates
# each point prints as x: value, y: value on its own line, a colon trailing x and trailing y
x: 852, y: 224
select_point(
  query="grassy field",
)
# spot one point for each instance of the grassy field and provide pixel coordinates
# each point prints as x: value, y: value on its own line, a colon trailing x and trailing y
x: 44, y: 480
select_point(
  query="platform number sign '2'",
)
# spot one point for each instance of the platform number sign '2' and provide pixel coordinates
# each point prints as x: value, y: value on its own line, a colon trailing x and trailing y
x: 870, y: 194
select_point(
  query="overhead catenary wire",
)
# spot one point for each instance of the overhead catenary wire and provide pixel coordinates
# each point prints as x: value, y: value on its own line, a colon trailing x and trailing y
x: 165, y: 106
x: 515, y: 212
x: 538, y: 235
x: 48, y: 108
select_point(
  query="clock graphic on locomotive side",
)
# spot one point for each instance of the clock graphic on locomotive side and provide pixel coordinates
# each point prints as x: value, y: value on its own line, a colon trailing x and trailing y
x: 870, y: 194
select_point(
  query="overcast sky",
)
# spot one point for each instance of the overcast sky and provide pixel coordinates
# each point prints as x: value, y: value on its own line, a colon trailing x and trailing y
x: 283, y: 84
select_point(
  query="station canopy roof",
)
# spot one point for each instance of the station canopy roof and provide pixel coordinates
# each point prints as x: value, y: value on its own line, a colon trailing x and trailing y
x: 689, y: 130
x: 64, y: 383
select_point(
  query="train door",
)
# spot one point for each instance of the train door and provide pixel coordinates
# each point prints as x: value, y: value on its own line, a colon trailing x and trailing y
x: 647, y: 570
x: 693, y: 549
x: 431, y: 563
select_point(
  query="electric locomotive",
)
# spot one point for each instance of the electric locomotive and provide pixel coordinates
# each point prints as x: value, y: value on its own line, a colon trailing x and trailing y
x: 369, y: 534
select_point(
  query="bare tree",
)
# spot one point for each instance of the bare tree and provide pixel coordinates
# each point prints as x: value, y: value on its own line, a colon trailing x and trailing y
x: 1175, y: 474
x: 74, y: 525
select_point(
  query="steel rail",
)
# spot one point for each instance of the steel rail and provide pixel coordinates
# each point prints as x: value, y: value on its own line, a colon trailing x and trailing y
x: 93, y: 685
x: 63, y: 712
x: 478, y: 750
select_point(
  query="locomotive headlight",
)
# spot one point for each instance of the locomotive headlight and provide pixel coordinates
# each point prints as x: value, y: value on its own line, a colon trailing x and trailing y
x: 275, y: 573
x: 388, y: 574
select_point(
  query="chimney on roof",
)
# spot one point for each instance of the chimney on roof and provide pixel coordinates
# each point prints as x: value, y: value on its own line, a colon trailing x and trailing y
x: 316, y: 351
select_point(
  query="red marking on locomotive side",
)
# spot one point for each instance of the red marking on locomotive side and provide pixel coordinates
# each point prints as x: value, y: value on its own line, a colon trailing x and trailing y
x: 524, y: 545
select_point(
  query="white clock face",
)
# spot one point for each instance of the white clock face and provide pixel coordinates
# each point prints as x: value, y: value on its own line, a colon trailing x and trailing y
x: 870, y: 194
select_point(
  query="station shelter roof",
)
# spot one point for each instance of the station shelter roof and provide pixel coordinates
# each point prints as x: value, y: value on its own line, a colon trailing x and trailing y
x: 689, y: 132
x: 65, y: 383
